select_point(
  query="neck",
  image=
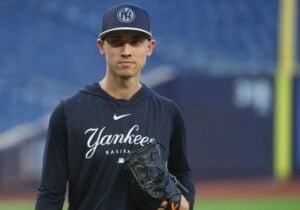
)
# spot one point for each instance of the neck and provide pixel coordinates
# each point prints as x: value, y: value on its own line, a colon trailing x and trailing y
x: 120, y: 88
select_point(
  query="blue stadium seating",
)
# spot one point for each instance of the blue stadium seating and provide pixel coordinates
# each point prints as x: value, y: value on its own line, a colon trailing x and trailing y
x: 54, y: 42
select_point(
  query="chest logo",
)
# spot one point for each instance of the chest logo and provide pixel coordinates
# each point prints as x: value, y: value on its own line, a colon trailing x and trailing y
x: 97, y: 137
x: 116, y: 117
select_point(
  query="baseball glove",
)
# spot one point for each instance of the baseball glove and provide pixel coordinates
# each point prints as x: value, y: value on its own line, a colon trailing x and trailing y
x: 150, y: 181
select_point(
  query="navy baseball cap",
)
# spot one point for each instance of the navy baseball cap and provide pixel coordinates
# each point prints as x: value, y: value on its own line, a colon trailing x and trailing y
x: 125, y: 17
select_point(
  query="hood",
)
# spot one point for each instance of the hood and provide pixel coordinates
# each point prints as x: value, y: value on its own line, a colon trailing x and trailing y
x: 95, y: 90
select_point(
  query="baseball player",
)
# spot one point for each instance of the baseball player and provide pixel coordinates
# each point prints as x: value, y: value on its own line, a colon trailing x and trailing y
x: 91, y: 133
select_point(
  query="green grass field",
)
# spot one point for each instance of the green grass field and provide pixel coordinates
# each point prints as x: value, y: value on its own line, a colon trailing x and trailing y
x: 228, y: 204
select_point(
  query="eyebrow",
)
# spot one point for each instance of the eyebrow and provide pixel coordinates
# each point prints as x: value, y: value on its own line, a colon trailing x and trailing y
x: 140, y: 36
x: 113, y: 36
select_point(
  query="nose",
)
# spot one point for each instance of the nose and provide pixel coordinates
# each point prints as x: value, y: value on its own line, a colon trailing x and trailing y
x: 126, y: 51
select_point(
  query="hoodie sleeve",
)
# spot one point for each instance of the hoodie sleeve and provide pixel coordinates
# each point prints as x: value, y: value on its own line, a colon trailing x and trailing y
x: 51, y: 192
x: 177, y: 161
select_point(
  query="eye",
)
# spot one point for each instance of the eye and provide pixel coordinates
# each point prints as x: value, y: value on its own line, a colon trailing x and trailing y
x: 137, y: 41
x: 115, y: 42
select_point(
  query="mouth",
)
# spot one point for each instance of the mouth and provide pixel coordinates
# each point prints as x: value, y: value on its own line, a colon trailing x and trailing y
x: 126, y: 62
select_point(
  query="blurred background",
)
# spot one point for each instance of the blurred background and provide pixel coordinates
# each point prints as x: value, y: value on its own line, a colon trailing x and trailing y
x: 232, y: 66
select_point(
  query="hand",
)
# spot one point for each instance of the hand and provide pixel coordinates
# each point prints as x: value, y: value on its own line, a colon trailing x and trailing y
x: 184, y: 204
x: 163, y: 205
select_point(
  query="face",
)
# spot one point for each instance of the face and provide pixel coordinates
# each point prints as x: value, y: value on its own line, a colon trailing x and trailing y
x: 126, y: 52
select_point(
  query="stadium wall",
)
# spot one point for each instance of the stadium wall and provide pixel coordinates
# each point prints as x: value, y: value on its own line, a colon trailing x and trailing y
x: 229, y: 123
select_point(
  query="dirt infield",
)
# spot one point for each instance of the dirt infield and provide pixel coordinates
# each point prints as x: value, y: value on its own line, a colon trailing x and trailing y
x: 208, y: 190
x: 247, y: 189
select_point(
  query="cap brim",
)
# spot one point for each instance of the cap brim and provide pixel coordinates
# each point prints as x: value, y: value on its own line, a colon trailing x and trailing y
x: 104, y: 33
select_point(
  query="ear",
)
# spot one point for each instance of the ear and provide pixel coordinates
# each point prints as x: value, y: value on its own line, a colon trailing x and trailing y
x: 151, y: 45
x: 100, y: 44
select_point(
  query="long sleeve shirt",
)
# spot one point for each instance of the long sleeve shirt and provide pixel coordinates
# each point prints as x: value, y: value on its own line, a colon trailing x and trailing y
x: 91, y: 133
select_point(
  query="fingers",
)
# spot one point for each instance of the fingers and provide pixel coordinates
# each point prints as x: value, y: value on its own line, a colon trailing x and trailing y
x: 163, y: 205
x: 184, y: 204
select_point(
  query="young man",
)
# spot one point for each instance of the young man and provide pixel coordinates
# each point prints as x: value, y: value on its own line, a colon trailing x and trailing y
x: 91, y: 133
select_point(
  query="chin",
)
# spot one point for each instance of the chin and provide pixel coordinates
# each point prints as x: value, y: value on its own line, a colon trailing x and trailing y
x: 127, y: 74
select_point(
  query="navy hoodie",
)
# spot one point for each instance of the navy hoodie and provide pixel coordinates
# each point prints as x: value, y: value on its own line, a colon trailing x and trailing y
x: 90, y: 135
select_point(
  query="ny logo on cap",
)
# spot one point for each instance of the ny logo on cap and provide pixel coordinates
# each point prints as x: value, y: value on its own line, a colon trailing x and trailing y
x: 126, y: 15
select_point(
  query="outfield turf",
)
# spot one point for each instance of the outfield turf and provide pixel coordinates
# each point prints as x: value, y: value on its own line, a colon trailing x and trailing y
x: 253, y: 204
